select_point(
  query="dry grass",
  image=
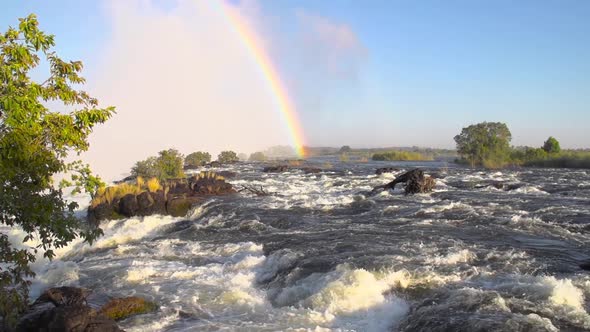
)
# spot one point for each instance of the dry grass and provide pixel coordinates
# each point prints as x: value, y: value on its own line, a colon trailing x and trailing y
x: 210, y: 175
x: 153, y: 185
x: 112, y: 193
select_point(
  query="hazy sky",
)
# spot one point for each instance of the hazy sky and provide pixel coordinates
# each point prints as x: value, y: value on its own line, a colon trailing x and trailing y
x: 361, y: 73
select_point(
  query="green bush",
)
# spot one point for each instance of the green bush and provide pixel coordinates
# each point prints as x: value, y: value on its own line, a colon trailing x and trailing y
x: 257, y: 156
x: 227, y: 157
x: 400, y: 156
x: 551, y: 145
x: 485, y: 144
x: 198, y: 158
x: 167, y: 165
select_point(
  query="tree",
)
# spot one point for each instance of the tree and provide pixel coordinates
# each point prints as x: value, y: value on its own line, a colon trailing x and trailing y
x: 345, y: 149
x: 551, y: 145
x: 146, y: 168
x: 486, y: 143
x: 170, y: 164
x: 198, y: 158
x: 167, y: 165
x: 257, y: 156
x: 35, y: 143
x: 227, y: 157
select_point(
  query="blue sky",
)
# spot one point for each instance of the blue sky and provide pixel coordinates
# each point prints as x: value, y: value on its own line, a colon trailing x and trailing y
x: 415, y: 73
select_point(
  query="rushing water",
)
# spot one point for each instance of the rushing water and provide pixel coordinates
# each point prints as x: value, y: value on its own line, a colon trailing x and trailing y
x: 322, y: 255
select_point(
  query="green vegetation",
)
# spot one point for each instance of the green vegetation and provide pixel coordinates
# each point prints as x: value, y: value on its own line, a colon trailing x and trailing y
x: 227, y: 157
x: 345, y: 149
x: 400, y: 156
x: 35, y: 143
x: 198, y: 158
x: 551, y: 145
x: 257, y: 156
x: 167, y: 165
x: 485, y: 144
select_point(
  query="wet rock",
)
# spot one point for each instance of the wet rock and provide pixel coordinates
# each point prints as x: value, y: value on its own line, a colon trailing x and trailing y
x: 159, y: 206
x: 100, y: 212
x: 276, y: 169
x: 415, y: 182
x: 64, y: 309
x: 210, y: 184
x: 311, y: 170
x: 145, y: 203
x: 128, y: 205
x: 227, y: 174
x: 382, y: 170
x: 121, y: 308
x: 585, y: 265
x: 179, y: 206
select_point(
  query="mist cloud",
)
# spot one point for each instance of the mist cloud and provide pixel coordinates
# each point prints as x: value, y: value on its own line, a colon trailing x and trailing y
x: 179, y: 77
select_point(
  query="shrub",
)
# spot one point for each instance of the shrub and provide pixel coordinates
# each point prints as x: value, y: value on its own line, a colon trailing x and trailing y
x: 551, y: 145
x: 198, y: 158
x: 167, y: 165
x: 399, y: 156
x: 257, y: 156
x: 486, y: 142
x: 227, y: 157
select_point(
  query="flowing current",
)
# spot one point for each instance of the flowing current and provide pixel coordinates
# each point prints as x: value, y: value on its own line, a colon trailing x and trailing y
x: 320, y: 254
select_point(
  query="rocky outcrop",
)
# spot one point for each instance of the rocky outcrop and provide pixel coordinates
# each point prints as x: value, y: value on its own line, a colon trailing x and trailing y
x: 276, y: 169
x: 65, y: 309
x: 415, y: 182
x: 176, y: 199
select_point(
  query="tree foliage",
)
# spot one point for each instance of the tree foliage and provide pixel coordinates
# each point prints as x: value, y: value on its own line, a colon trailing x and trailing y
x: 198, y: 158
x: 484, y: 144
x: 34, y: 145
x: 227, y: 157
x: 551, y: 145
x: 167, y: 165
x: 257, y: 156
x: 345, y: 149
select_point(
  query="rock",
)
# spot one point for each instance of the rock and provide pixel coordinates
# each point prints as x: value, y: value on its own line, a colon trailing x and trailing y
x: 210, y: 184
x: 382, y: 170
x: 65, y: 295
x: 122, y: 308
x: 415, y: 182
x: 128, y: 205
x: 159, y: 206
x: 100, y: 212
x: 130, y: 178
x: 64, y: 309
x: 585, y: 265
x: 145, y: 203
x: 179, y: 206
x: 276, y: 169
x: 311, y: 170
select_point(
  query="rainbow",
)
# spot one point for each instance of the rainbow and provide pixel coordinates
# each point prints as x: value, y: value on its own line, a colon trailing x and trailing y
x: 254, y: 46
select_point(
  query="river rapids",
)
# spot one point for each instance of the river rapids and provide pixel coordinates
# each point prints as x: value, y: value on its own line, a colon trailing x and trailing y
x: 320, y: 254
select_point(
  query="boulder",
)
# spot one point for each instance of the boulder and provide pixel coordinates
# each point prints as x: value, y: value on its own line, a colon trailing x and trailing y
x: 210, y: 185
x: 382, y: 170
x: 311, y: 170
x: 276, y: 169
x: 122, y: 308
x: 64, y: 309
x: 415, y: 182
x: 179, y: 206
x: 100, y: 212
x: 128, y: 206
x: 159, y: 206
